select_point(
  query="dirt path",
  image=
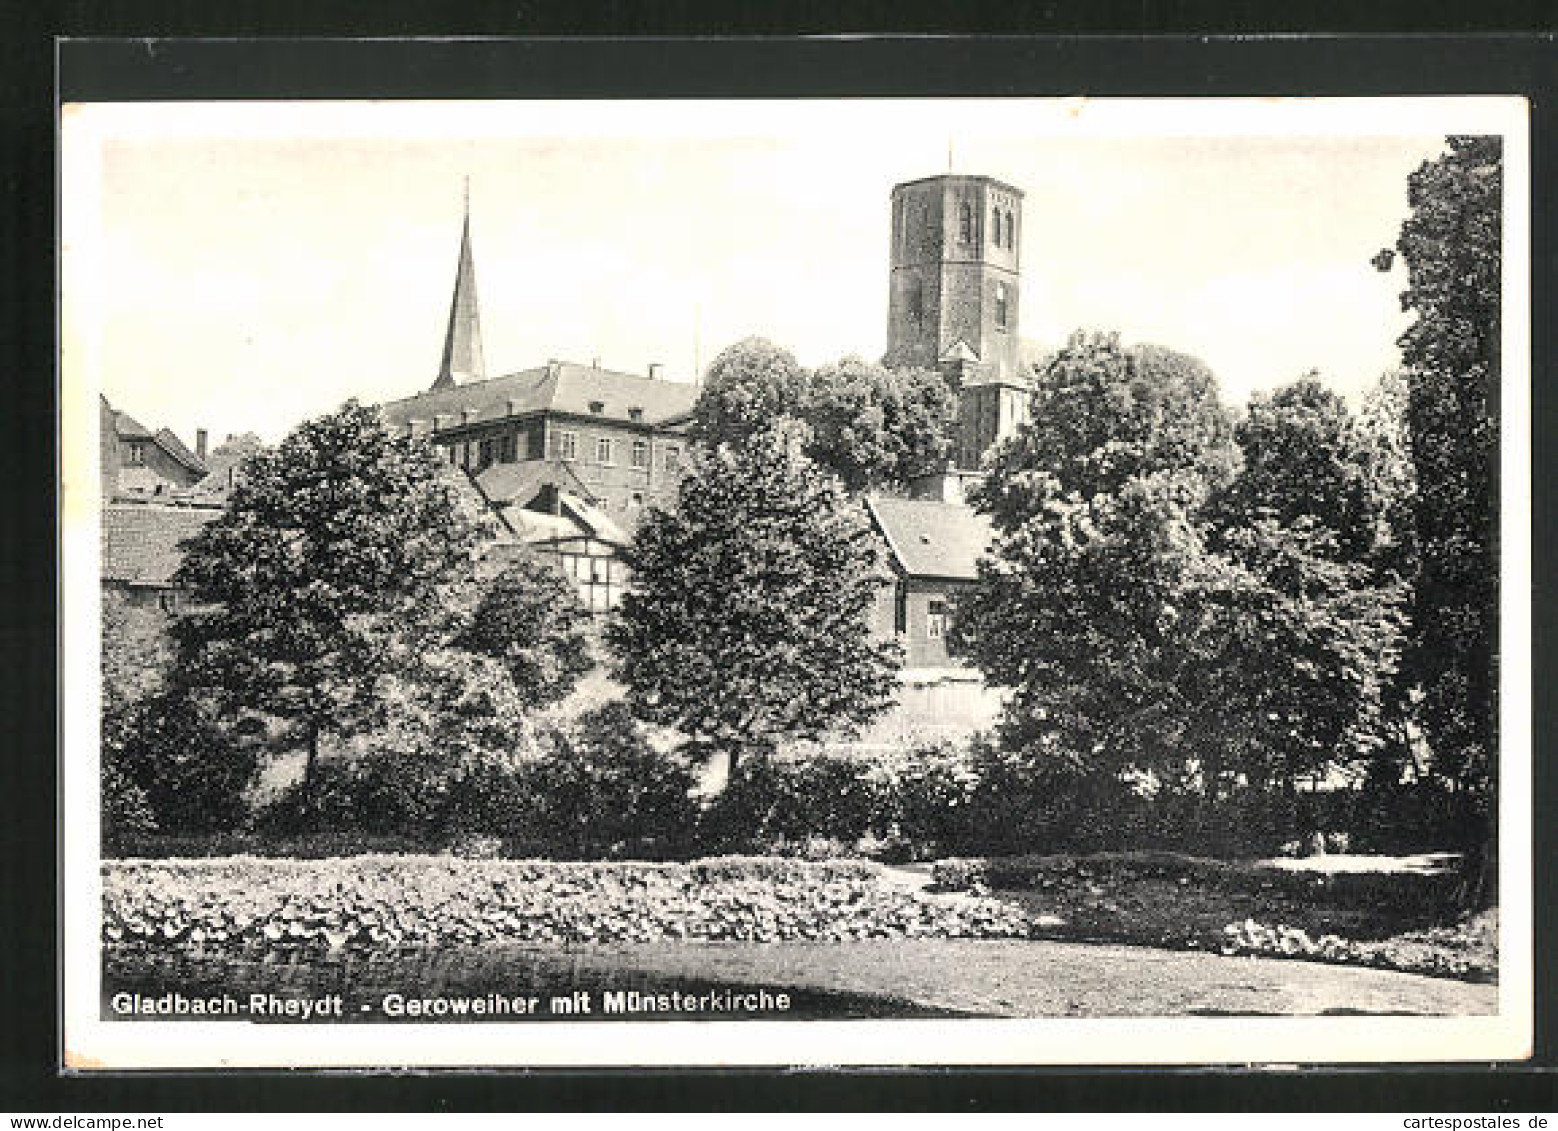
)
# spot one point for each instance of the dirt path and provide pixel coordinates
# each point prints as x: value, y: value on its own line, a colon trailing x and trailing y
x: 1058, y: 979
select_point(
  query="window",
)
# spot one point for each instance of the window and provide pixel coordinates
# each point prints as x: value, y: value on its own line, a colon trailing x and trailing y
x: 465, y: 454
x: 965, y: 223
x: 137, y: 455
x: 900, y: 608
x: 1011, y: 227
x: 508, y: 451
x: 936, y: 620
x: 640, y: 453
x: 568, y: 445
x: 995, y: 217
x: 168, y: 600
x: 489, y: 453
x: 916, y: 301
x: 673, y: 457
x: 597, y: 407
x: 1000, y: 305
x: 603, y: 452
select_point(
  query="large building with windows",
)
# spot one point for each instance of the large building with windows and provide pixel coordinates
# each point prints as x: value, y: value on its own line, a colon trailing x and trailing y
x: 567, y: 455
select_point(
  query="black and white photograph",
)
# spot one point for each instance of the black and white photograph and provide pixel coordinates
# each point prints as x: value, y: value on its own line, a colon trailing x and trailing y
x: 831, y: 581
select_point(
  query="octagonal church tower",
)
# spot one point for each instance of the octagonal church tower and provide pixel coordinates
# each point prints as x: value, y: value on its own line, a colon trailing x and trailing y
x: 953, y: 294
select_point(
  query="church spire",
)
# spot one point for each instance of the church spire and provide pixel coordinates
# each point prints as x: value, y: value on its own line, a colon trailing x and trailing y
x: 462, y: 341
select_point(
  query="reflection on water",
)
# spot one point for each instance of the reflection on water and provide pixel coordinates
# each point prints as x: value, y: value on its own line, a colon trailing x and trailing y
x: 520, y: 975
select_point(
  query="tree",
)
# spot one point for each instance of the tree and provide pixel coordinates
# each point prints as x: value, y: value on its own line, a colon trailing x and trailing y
x: 326, y: 575
x: 747, y: 619
x: 874, y: 427
x: 530, y: 618
x: 1103, y: 414
x: 870, y: 425
x: 1450, y: 245
x: 749, y: 386
x: 1304, y: 458
x: 1142, y: 629
x: 1083, y: 607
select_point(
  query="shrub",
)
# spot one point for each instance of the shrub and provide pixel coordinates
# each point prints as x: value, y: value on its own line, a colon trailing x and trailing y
x: 372, y: 904
x: 191, y: 772
x: 600, y: 788
x: 779, y: 801
x: 126, y: 813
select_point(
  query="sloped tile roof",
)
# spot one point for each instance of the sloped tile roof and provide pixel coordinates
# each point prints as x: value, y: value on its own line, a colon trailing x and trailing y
x: 126, y: 427
x: 932, y: 539
x: 141, y: 541
x: 559, y: 387
x: 175, y: 448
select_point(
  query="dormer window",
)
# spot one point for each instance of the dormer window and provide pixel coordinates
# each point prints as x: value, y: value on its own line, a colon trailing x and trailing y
x: 137, y: 455
x: 635, y: 413
x: 597, y: 407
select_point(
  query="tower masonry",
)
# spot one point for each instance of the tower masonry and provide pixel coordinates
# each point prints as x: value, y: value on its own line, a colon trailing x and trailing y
x: 953, y: 294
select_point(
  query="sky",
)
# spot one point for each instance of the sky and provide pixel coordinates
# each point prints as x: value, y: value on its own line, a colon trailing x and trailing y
x: 244, y: 266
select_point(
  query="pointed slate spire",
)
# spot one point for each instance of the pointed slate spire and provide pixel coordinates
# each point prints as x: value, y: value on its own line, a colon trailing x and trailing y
x: 462, y: 342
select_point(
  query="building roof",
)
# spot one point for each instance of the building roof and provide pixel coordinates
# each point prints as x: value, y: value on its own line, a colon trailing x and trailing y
x: 558, y: 386
x: 932, y: 539
x: 223, y: 461
x: 142, y: 541
x: 961, y: 178
x: 126, y: 427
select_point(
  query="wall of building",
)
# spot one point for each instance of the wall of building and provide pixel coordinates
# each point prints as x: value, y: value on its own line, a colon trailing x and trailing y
x: 624, y: 489
x: 907, y: 610
x: 144, y: 466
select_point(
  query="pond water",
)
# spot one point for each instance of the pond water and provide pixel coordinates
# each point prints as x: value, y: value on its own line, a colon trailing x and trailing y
x: 458, y: 984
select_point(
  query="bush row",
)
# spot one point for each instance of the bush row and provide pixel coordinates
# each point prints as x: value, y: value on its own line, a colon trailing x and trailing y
x: 253, y: 906
x: 598, y: 788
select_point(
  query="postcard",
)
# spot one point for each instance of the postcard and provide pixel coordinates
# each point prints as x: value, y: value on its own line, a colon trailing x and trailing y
x: 795, y: 582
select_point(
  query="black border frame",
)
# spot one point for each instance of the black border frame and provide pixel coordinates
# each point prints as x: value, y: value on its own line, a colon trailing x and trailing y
x: 164, y: 68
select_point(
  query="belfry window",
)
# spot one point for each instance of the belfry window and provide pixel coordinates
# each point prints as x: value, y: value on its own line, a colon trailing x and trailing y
x: 995, y: 217
x: 1001, y: 305
x: 1011, y: 227
x: 966, y: 222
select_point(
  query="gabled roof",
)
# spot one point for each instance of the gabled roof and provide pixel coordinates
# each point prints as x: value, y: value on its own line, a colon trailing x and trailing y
x: 142, y: 541
x: 932, y: 539
x: 556, y: 387
x: 959, y: 351
x: 126, y: 427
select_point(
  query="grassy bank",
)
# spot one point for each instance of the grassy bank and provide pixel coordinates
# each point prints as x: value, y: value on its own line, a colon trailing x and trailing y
x: 1389, y: 913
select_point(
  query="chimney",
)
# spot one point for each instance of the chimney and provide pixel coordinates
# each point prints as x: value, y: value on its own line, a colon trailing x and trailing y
x: 654, y: 370
x: 200, y: 444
